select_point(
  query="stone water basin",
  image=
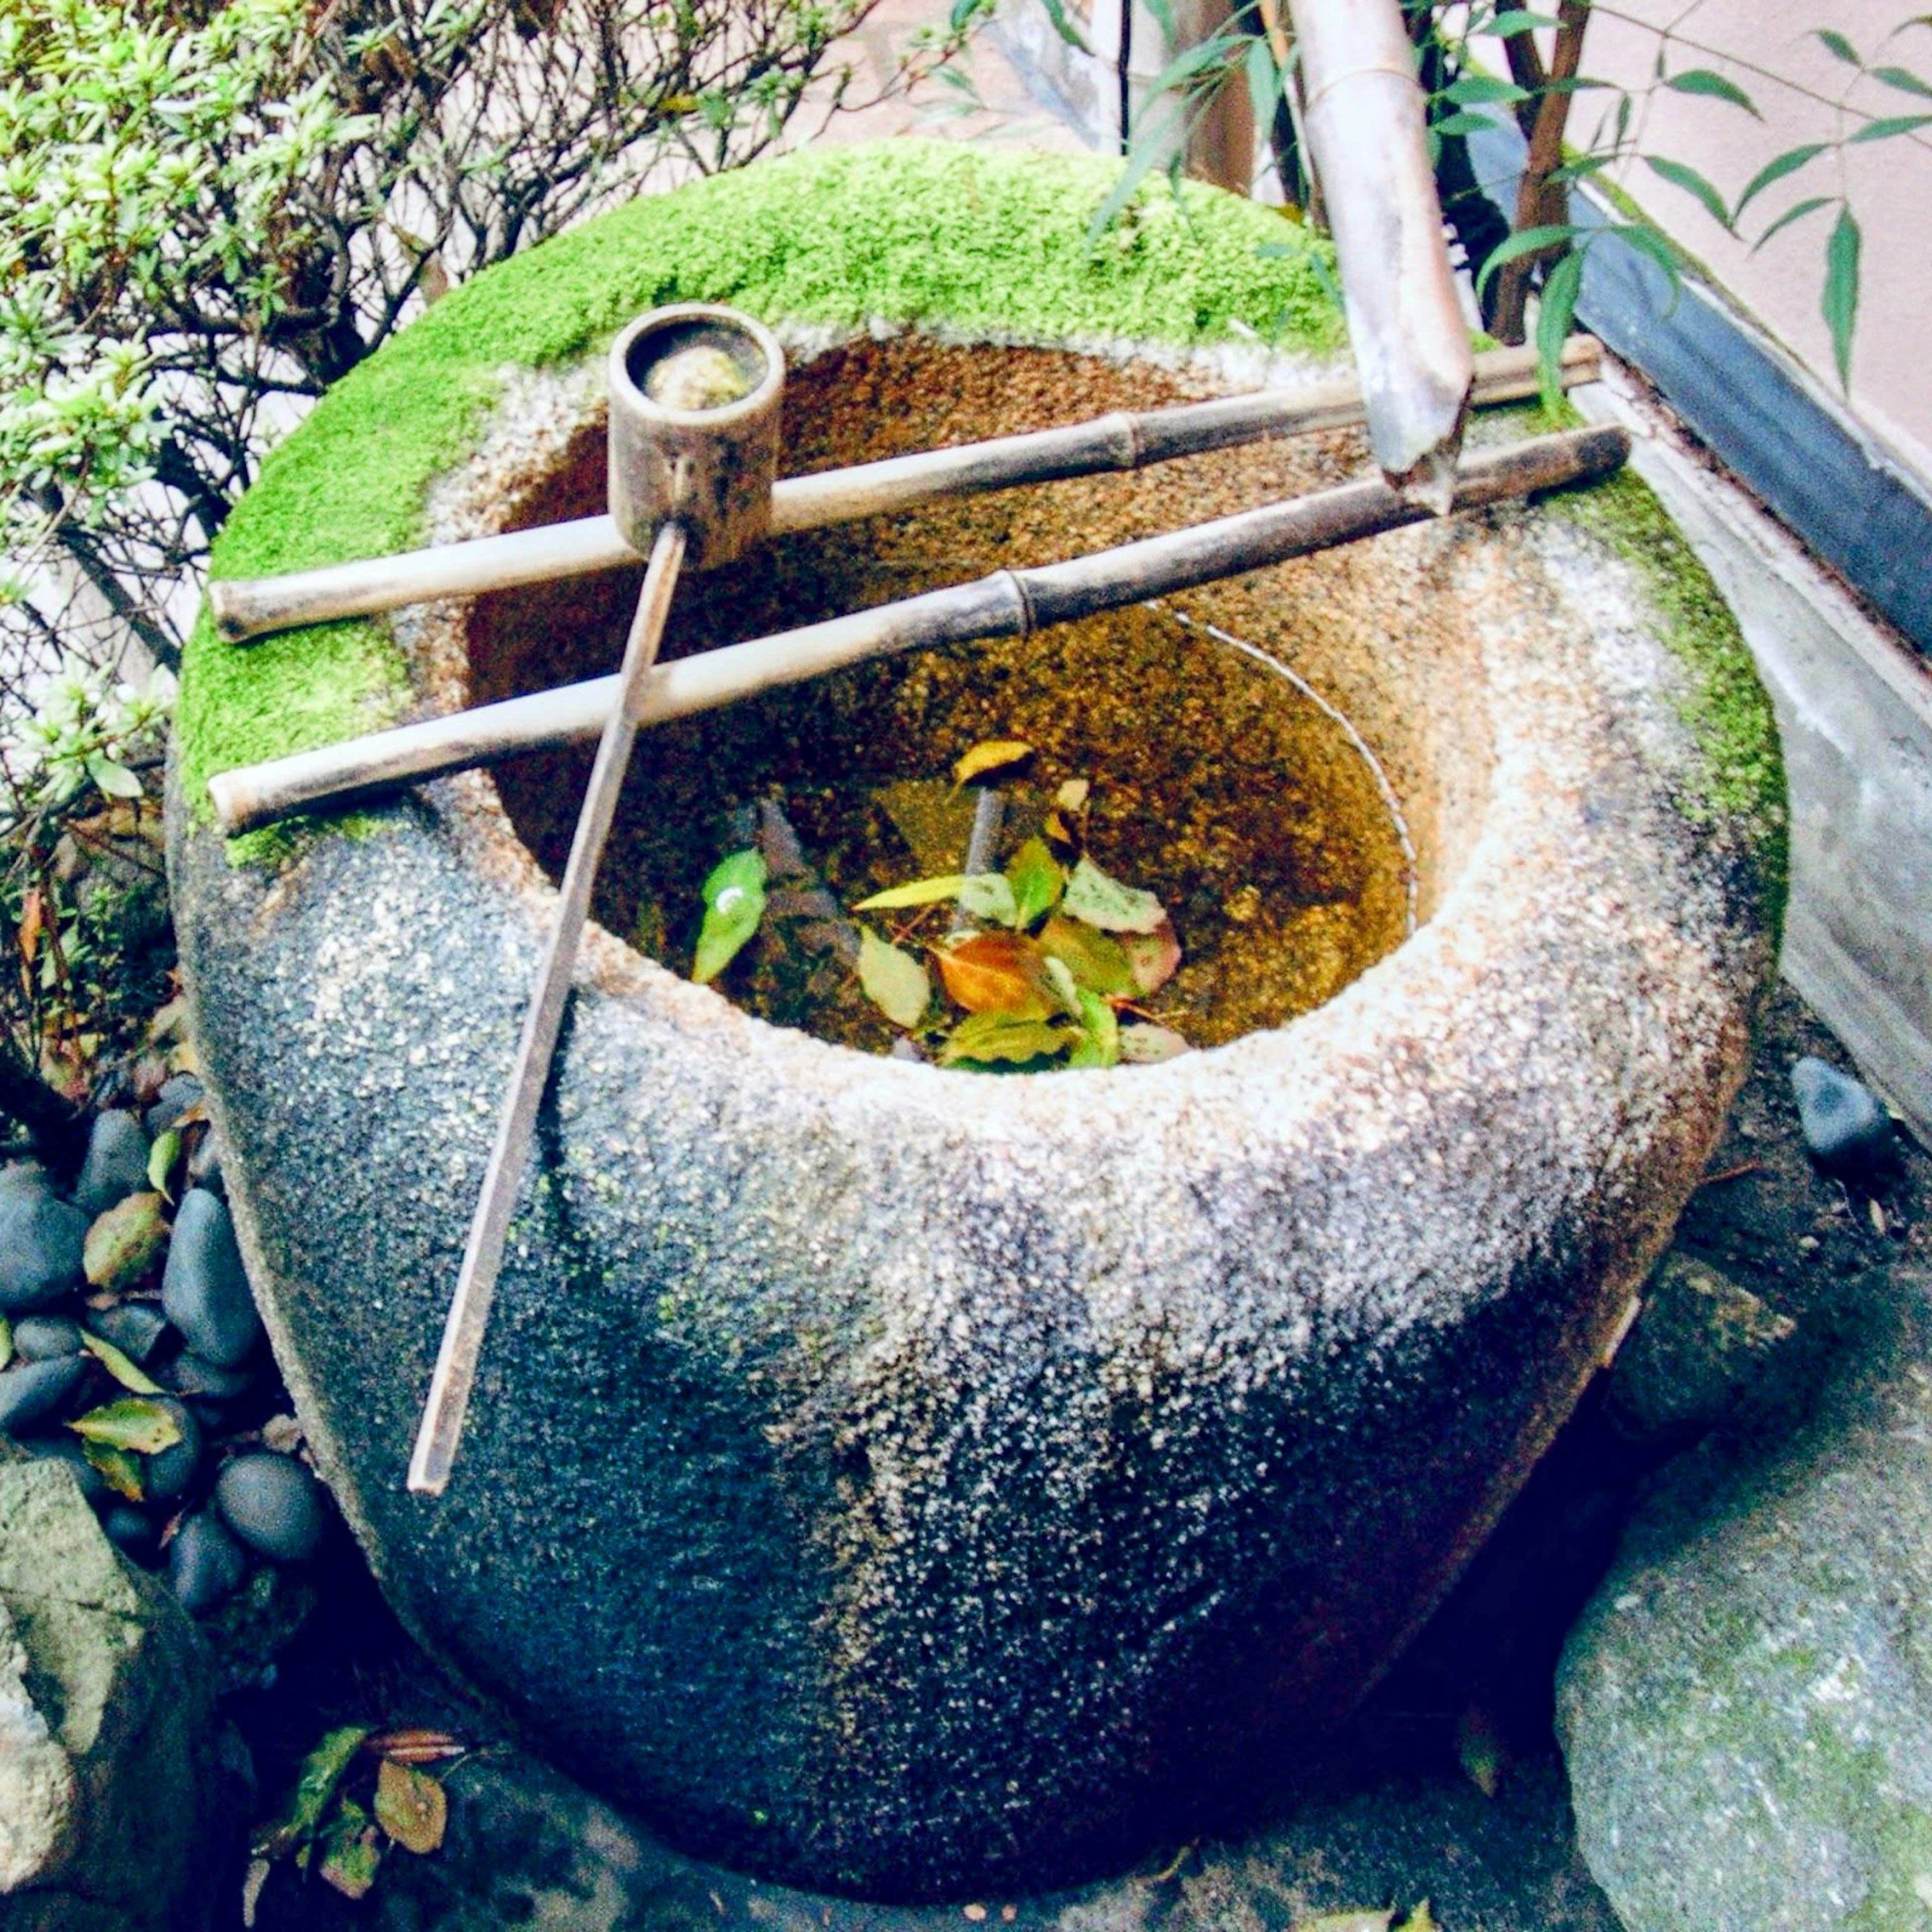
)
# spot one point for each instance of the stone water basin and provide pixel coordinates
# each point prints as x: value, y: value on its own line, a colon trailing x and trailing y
x: 901, y: 1481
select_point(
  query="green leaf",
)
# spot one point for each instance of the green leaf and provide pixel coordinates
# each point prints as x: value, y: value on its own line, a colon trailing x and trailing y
x: 920, y: 893
x: 120, y: 1471
x: 133, y: 1423
x: 1146, y: 1045
x: 161, y: 1159
x: 1524, y: 241
x: 1796, y: 213
x: 1777, y: 168
x: 1837, y: 44
x: 117, y: 1365
x: 1554, y: 312
x: 322, y: 1771
x: 1693, y: 183
x: 734, y: 902
x: 1060, y: 977
x: 1892, y: 124
x: 1465, y: 122
x: 1140, y: 163
x: 1264, y: 81
x: 1903, y: 80
x: 1098, y: 963
x: 1100, y: 1041
x: 1519, y: 20
x: 1102, y: 900
x: 988, y: 895
x: 1037, y: 881
x: 990, y: 1038
x: 1840, y: 304
x: 6, y: 1341
x: 1703, y: 80
x: 1483, y: 90
x: 114, y: 780
x: 353, y: 1853
x: 894, y: 981
x: 1063, y: 25
x: 1652, y: 242
x: 123, y: 1243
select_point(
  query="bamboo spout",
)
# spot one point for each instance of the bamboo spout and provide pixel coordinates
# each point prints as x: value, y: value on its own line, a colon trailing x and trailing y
x: 1364, y: 115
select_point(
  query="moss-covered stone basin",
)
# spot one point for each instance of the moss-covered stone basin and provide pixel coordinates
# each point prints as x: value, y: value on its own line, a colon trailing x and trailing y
x: 894, y: 1479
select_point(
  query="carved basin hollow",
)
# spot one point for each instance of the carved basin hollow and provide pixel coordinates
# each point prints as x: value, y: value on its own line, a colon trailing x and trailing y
x: 889, y: 1478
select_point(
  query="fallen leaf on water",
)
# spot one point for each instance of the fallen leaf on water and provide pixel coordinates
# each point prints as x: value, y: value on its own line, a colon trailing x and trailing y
x: 1421, y: 1920
x: 1037, y: 881
x: 734, y: 902
x: 116, y: 1468
x: 161, y: 1159
x: 118, y: 1365
x: 1100, y: 1042
x: 1146, y: 1045
x: 995, y: 755
x: 411, y: 1807
x: 997, y: 972
x: 988, y: 1038
x: 6, y: 1341
x: 1097, y: 962
x: 1102, y: 901
x: 1482, y: 1749
x: 321, y: 1772
x: 252, y: 1882
x: 894, y: 981
x: 354, y: 1850
x: 1347, y: 1922
x: 133, y: 1423
x: 1152, y: 958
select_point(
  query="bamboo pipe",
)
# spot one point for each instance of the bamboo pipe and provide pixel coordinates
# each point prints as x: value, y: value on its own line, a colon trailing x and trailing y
x: 254, y: 606
x: 1366, y: 119
x: 1008, y: 603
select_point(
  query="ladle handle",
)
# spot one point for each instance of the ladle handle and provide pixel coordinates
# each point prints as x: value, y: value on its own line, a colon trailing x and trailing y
x: 441, y: 1428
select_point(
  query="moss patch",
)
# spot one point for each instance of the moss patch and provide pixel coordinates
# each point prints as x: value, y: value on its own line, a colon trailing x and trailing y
x: 908, y: 231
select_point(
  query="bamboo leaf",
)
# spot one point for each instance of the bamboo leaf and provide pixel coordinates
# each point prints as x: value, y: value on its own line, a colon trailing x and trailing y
x: 1796, y: 213
x: 1524, y: 241
x: 1679, y: 175
x: 1483, y: 90
x: 1840, y: 303
x: 1063, y: 25
x: 894, y: 981
x: 1705, y: 81
x: 1836, y: 43
x: 1777, y: 168
x: 118, y: 1365
x: 734, y: 903
x: 133, y: 1423
x: 1553, y: 316
x: 1465, y: 122
x: 1892, y: 125
x: 920, y: 893
x: 1651, y: 242
x: 1904, y: 80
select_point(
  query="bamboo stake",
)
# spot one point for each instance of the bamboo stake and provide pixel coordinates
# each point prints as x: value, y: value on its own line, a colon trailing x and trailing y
x: 1005, y: 603
x: 254, y: 607
x: 455, y: 1374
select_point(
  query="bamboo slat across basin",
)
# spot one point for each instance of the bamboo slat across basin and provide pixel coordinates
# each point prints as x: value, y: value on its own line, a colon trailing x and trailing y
x: 903, y: 1480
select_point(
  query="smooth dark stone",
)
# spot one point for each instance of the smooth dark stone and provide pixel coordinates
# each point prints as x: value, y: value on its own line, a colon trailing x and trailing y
x: 36, y: 1391
x: 116, y: 1164
x: 274, y: 1505
x: 41, y: 1239
x: 204, y: 1563
x: 194, y: 1375
x: 205, y: 1291
x: 1845, y: 1123
x: 135, y: 1327
x: 204, y: 1164
x: 179, y: 1092
x: 66, y: 1448
x: 130, y: 1531
x: 46, y: 1338
x: 170, y: 1473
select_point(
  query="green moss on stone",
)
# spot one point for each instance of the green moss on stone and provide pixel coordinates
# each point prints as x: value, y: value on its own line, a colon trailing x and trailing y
x: 936, y: 234
x: 1724, y: 706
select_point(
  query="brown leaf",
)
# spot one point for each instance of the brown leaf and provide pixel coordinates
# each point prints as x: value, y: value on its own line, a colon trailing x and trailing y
x: 125, y: 1241
x: 410, y: 1806
x: 414, y: 1747
x: 32, y: 919
x: 998, y: 972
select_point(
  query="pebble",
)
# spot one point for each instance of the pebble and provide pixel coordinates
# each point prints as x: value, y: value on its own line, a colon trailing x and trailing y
x: 170, y: 1472
x: 116, y: 1164
x: 179, y: 1092
x: 204, y: 1290
x: 1845, y: 1124
x: 66, y: 1448
x: 41, y: 1240
x: 135, y: 1327
x: 35, y: 1391
x: 46, y: 1338
x: 204, y: 1563
x: 194, y: 1375
x: 130, y: 1531
x: 204, y: 1164
x: 274, y: 1505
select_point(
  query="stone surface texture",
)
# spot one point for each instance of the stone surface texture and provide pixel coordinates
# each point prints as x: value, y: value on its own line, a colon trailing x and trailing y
x: 904, y: 1481
x: 1746, y: 1708
x: 107, y: 1784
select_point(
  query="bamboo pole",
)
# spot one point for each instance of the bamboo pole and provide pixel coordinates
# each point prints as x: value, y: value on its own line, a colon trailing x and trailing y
x: 254, y: 607
x: 1008, y: 603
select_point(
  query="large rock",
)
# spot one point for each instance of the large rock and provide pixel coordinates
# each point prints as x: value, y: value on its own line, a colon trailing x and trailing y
x: 1746, y: 1709
x: 896, y: 1478
x: 108, y: 1790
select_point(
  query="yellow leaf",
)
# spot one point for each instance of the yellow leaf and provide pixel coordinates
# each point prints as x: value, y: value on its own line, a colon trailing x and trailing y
x: 995, y: 755
x: 410, y: 1806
